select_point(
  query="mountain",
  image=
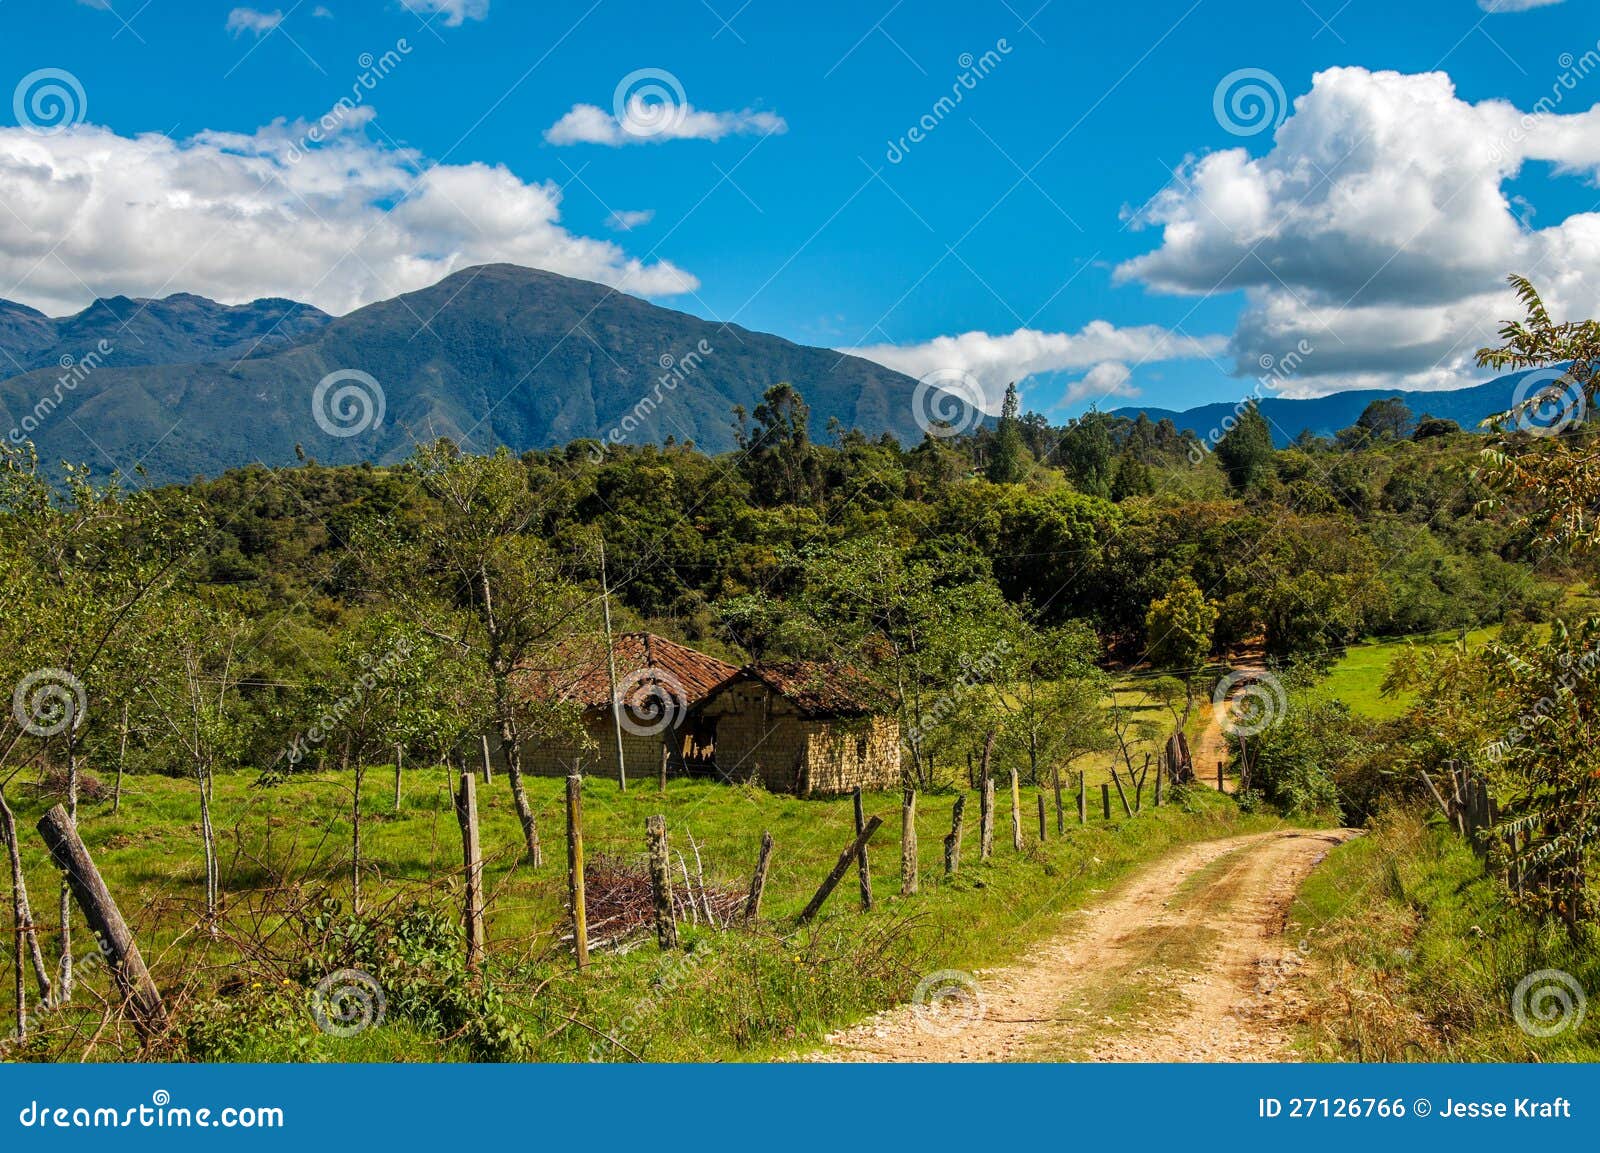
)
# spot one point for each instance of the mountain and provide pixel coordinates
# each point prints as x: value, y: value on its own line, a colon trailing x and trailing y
x: 1326, y: 415
x: 180, y: 329
x: 496, y: 354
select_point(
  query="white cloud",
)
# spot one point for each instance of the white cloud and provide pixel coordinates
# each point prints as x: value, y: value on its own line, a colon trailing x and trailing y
x: 627, y: 219
x: 996, y: 361
x: 1514, y: 5
x: 1109, y: 378
x: 1378, y: 229
x: 237, y: 216
x: 645, y: 122
x: 242, y: 20
x: 454, y: 11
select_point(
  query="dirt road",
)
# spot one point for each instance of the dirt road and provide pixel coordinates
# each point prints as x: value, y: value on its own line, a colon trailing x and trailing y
x: 1184, y: 961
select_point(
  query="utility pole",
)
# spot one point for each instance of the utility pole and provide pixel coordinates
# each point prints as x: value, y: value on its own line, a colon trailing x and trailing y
x: 611, y: 667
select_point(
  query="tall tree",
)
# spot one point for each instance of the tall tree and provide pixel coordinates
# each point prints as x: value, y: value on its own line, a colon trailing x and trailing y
x: 1009, y: 463
x: 1245, y: 451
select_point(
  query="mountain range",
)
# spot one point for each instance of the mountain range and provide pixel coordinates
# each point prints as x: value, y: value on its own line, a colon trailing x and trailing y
x: 496, y: 354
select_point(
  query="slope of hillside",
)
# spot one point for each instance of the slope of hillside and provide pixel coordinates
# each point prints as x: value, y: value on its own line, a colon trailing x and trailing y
x: 493, y: 355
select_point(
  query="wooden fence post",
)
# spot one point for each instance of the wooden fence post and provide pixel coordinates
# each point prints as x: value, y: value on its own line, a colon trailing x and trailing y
x: 661, y: 783
x: 472, y: 863
x: 1161, y: 771
x: 1061, y: 812
x: 758, y: 883
x: 1220, y: 788
x: 1040, y: 798
x: 105, y: 919
x: 399, y: 753
x: 986, y: 820
x: 488, y: 772
x: 655, y: 835
x: 1016, y: 811
x: 1126, y: 808
x: 862, y: 872
x: 908, y: 843
x: 841, y: 866
x: 575, y: 879
x: 952, y: 840
x: 1105, y: 799
x: 1083, y: 802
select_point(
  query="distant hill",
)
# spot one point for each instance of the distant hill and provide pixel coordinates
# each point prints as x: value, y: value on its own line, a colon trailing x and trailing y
x: 1326, y: 415
x: 498, y: 353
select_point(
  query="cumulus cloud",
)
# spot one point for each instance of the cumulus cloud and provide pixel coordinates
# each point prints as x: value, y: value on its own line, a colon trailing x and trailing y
x: 644, y: 121
x: 454, y: 11
x: 242, y: 20
x: 1378, y: 229
x: 237, y: 216
x: 997, y: 360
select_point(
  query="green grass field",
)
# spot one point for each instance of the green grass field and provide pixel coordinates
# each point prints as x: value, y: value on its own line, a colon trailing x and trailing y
x: 729, y: 995
x: 1357, y: 678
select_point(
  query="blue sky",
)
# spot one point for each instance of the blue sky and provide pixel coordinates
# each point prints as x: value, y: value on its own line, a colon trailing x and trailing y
x: 1084, y: 219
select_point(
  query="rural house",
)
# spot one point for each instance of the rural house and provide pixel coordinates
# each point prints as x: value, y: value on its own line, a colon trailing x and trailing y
x: 797, y: 727
x: 658, y: 680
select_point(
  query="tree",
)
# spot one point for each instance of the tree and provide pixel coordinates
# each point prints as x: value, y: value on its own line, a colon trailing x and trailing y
x: 1051, y: 693
x: 1245, y: 451
x: 1178, y: 627
x: 778, y: 456
x: 1009, y: 463
x: 1385, y: 419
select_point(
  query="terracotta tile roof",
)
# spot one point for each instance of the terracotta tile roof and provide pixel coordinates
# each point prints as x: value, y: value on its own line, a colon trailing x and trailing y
x: 820, y: 689
x: 576, y: 671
